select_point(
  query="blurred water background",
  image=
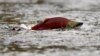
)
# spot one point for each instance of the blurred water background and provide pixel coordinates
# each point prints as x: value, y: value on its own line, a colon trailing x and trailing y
x: 76, y: 42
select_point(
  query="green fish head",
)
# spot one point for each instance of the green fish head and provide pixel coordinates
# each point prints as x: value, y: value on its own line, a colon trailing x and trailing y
x: 73, y: 24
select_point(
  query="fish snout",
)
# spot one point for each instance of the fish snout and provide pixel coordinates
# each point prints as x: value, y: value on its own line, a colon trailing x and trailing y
x: 79, y: 24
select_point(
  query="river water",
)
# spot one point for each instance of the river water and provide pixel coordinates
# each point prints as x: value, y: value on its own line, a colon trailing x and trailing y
x: 84, y: 41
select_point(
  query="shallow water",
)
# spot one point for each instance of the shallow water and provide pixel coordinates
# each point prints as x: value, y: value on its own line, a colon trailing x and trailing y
x: 84, y: 41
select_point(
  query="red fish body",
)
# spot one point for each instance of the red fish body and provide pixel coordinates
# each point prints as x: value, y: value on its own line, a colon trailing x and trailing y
x: 51, y: 23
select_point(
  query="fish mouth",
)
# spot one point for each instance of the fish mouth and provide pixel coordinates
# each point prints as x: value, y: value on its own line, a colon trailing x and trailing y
x: 79, y: 24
